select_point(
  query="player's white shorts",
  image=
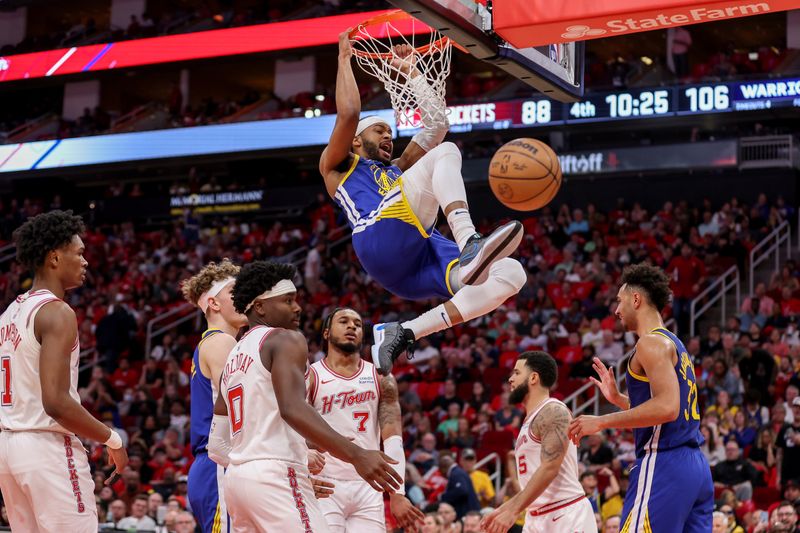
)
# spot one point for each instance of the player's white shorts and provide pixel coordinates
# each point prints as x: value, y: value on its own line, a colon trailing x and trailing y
x: 46, y: 483
x: 575, y: 518
x: 270, y: 495
x: 354, y: 507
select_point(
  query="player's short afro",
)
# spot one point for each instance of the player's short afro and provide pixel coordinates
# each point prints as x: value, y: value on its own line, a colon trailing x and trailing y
x: 651, y: 280
x: 257, y: 277
x: 42, y: 234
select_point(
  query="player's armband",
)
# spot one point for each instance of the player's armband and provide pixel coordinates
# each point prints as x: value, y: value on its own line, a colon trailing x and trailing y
x: 393, y: 447
x: 219, y: 440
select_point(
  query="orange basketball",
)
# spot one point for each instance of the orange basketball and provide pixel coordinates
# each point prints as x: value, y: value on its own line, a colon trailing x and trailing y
x: 524, y: 174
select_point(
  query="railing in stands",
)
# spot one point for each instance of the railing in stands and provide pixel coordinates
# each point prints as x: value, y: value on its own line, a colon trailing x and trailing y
x: 716, y: 291
x: 8, y: 252
x: 129, y: 118
x: 768, y: 246
x: 87, y: 354
x: 19, y: 133
x: 182, y: 313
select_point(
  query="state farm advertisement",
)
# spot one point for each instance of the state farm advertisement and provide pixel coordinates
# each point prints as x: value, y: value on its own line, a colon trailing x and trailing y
x: 526, y: 23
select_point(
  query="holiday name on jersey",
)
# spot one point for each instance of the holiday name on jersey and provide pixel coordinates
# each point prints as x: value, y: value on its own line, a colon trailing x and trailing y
x: 346, y: 398
x: 240, y: 363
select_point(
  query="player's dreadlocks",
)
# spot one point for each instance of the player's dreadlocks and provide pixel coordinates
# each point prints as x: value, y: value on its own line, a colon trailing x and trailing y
x: 44, y: 233
x: 257, y: 277
x: 651, y: 280
x: 326, y: 325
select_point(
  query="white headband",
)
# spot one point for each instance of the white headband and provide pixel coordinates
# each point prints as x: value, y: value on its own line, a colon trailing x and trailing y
x: 284, y: 286
x: 215, y: 289
x: 366, y: 122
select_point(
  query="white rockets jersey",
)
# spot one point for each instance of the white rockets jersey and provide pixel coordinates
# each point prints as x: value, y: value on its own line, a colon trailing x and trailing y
x: 21, y: 407
x: 350, y: 407
x: 257, y: 429
x: 566, y: 485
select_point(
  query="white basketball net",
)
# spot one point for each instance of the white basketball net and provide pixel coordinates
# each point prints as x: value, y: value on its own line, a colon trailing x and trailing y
x: 373, y: 47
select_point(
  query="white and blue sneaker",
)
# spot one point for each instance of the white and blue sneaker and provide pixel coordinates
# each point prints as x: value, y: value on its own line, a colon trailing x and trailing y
x: 390, y: 340
x: 480, y: 252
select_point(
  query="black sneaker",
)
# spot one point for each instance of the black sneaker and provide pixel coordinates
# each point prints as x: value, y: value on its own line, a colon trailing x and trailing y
x: 390, y: 341
x: 480, y: 252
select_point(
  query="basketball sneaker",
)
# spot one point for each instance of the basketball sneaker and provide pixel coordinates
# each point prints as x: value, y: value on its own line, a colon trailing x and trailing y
x: 480, y: 252
x: 390, y: 340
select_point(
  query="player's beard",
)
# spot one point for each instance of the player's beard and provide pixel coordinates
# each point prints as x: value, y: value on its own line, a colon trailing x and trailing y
x: 373, y: 152
x: 347, y: 347
x: 518, y: 394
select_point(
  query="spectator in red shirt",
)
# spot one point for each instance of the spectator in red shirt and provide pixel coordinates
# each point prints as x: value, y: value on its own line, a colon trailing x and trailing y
x: 688, y: 274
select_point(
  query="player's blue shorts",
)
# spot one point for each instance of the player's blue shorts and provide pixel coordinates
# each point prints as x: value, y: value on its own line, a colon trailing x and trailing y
x: 670, y: 491
x: 398, y: 256
x: 205, y: 480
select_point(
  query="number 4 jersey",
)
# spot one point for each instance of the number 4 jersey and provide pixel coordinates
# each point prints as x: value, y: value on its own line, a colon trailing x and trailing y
x: 257, y: 429
x: 350, y: 406
x: 20, y: 389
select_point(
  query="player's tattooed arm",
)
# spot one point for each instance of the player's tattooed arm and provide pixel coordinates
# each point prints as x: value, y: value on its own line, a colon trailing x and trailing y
x: 389, y: 415
x: 551, y: 427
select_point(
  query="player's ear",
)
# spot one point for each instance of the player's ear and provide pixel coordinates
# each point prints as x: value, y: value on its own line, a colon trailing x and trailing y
x: 357, y: 141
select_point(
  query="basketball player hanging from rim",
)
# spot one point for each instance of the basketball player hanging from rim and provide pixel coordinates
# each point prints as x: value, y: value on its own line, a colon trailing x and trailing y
x: 391, y: 207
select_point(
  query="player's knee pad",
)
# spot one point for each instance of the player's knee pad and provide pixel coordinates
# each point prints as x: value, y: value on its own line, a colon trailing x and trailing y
x: 509, y: 271
x: 448, y: 149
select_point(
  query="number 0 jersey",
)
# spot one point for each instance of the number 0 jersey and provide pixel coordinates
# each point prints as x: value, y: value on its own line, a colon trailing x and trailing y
x: 683, y: 431
x: 257, y: 429
x: 21, y: 407
x: 350, y: 406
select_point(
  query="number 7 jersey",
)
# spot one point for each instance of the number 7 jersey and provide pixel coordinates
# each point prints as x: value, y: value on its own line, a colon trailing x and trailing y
x: 350, y: 406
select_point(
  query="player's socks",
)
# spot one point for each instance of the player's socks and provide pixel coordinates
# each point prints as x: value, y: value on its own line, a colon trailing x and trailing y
x: 461, y: 225
x: 428, y: 322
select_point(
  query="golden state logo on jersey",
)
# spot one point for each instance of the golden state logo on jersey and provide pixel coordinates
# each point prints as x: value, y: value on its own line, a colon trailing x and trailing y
x: 385, y: 178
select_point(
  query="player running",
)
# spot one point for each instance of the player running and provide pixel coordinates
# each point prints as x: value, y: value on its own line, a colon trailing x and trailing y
x: 671, y: 487
x: 391, y: 207
x: 261, y: 419
x: 210, y: 290
x: 364, y: 407
x: 44, y: 470
x: 547, y: 462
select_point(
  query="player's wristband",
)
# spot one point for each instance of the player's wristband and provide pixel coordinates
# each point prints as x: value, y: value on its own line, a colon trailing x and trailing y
x: 393, y: 447
x: 114, y: 441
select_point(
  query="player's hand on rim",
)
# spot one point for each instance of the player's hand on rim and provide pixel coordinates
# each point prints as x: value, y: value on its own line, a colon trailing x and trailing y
x: 406, y: 514
x: 345, y: 48
x: 376, y: 469
x: 403, y: 58
x: 118, y: 458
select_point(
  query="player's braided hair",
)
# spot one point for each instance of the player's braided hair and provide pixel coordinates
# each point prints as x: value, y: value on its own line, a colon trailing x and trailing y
x: 42, y: 234
x: 195, y: 286
x: 651, y: 280
x: 257, y: 277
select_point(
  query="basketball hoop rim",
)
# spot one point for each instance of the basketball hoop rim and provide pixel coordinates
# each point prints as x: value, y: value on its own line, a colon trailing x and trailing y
x: 391, y: 16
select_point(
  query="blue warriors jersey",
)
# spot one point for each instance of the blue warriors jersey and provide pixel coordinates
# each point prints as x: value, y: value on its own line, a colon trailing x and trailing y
x: 670, y: 488
x: 408, y: 259
x: 685, y: 431
x: 202, y: 400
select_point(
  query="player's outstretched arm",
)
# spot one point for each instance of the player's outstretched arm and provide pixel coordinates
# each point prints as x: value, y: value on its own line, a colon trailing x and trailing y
x: 348, y: 110
x: 56, y: 328
x: 551, y: 427
x: 289, y: 354
x: 391, y: 424
x: 654, y: 352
